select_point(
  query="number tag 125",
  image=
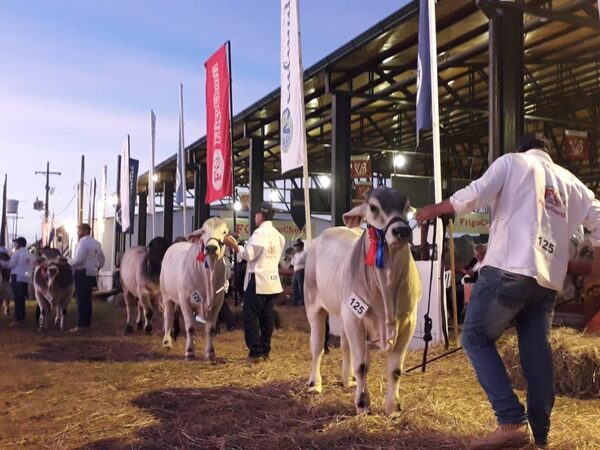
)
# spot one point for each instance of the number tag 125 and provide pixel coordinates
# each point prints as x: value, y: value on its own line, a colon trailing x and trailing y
x: 357, y: 305
x: 546, y: 245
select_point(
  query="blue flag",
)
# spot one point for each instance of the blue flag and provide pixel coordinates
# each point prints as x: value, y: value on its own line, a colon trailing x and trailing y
x: 423, y: 71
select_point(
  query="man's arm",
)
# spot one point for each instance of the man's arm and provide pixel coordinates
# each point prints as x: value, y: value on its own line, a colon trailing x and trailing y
x: 101, y: 258
x: 79, y: 258
x: 431, y: 211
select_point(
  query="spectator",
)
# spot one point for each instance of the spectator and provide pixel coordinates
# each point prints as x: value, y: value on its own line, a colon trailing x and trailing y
x: 298, y: 263
x: 20, y: 265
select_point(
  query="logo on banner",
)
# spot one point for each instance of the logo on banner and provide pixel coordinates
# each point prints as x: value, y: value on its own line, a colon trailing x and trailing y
x: 287, y: 129
x: 218, y: 169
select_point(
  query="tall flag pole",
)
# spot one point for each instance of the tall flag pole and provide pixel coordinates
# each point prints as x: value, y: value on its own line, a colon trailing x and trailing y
x: 428, y: 117
x: 180, y: 189
x: 219, y: 158
x: 3, y: 225
x: 292, y: 121
x: 151, y: 193
x: 124, y: 186
x: 233, y: 193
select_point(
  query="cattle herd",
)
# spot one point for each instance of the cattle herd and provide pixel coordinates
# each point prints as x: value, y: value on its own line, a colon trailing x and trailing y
x: 372, y: 289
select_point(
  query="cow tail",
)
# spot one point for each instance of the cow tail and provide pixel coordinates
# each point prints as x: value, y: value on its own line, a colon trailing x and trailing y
x: 176, y: 326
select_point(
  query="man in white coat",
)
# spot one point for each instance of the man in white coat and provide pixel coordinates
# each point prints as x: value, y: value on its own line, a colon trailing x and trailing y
x: 21, y: 266
x: 536, y: 207
x: 261, y: 283
x: 87, y: 260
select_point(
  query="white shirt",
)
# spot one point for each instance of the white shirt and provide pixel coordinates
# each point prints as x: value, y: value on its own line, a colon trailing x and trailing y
x: 20, y: 264
x: 88, y: 255
x: 263, y: 252
x: 299, y: 261
x: 536, y: 207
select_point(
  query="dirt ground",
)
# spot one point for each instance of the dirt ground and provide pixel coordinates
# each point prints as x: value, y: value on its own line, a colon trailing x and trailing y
x: 103, y: 390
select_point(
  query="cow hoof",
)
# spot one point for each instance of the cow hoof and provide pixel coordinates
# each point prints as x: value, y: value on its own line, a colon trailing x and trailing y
x: 349, y: 384
x: 148, y: 330
x: 168, y: 345
x: 129, y: 329
x: 393, y: 410
x: 315, y: 388
x: 190, y: 357
x: 139, y: 325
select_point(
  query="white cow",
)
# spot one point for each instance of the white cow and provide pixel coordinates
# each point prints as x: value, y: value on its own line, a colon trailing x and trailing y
x: 140, y: 273
x: 193, y: 277
x: 376, y: 304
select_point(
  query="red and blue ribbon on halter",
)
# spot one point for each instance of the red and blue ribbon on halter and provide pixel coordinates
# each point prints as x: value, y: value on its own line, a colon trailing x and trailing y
x: 376, y: 249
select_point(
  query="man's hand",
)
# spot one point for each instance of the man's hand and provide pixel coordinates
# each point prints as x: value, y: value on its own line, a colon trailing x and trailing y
x: 230, y: 242
x: 432, y: 211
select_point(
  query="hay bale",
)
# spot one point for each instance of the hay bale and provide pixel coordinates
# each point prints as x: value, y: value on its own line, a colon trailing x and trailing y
x: 576, y: 363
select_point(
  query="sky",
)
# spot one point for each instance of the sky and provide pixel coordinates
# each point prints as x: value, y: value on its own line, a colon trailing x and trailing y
x: 77, y: 77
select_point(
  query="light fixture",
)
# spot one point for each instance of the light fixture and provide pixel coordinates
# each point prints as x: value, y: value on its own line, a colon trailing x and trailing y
x: 274, y: 195
x: 155, y: 177
x: 399, y: 161
x: 237, y: 206
x: 325, y: 181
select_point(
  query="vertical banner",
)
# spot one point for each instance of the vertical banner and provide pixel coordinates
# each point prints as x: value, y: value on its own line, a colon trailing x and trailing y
x: 423, y: 71
x: 577, y: 145
x: 134, y: 166
x: 151, y: 193
x: 292, y: 124
x: 104, y: 192
x: 360, y: 166
x: 3, y: 224
x: 124, y: 187
x: 218, y: 144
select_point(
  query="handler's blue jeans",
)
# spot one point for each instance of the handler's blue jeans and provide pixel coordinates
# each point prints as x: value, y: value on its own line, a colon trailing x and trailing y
x: 497, y: 299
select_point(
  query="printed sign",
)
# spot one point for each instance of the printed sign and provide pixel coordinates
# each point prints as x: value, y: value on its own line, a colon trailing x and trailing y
x: 360, y: 166
x: 357, y: 305
x: 473, y: 223
x: 577, y: 145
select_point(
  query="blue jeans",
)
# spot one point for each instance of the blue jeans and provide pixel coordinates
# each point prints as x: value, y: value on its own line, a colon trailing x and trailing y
x: 498, y: 298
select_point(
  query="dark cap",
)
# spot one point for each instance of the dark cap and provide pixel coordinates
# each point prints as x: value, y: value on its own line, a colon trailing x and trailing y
x: 84, y: 227
x: 529, y: 141
x: 299, y: 243
x: 21, y: 241
x: 266, y: 209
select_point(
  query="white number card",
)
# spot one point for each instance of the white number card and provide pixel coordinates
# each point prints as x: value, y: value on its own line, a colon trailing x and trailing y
x: 546, y: 245
x: 196, y: 297
x: 357, y: 305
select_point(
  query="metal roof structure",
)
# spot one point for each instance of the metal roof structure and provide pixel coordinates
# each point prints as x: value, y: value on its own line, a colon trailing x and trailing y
x: 378, y: 69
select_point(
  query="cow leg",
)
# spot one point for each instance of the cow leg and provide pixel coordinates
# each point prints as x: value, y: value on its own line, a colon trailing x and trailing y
x: 130, y: 302
x: 63, y: 315
x: 139, y: 321
x: 188, y: 318
x: 395, y: 361
x: 56, y: 309
x: 357, y: 340
x: 168, y: 316
x: 44, y: 312
x: 146, y: 305
x: 347, y: 374
x: 209, y: 333
x: 317, y: 335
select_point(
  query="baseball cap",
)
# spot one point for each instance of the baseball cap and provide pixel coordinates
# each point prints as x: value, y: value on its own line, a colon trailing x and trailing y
x: 299, y: 243
x: 529, y: 141
x: 266, y: 209
x: 21, y: 241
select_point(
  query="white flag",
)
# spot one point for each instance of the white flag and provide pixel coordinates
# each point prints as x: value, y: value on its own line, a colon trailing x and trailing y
x: 151, y: 172
x: 292, y: 127
x: 124, y: 186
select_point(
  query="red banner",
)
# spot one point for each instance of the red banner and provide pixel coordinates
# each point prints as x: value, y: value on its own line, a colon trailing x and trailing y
x: 361, y: 166
x: 577, y: 145
x: 218, y: 144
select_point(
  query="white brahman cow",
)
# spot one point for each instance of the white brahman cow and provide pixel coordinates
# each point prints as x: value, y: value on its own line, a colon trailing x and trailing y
x: 193, y: 277
x: 53, y: 286
x: 369, y: 280
x: 140, y: 279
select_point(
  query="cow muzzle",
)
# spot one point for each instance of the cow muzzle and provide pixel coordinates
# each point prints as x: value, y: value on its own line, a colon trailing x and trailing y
x: 213, y: 247
x: 400, y: 229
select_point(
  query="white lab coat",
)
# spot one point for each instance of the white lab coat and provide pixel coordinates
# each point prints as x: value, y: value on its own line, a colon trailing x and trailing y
x: 88, y: 255
x: 20, y: 265
x: 536, y: 207
x: 263, y: 252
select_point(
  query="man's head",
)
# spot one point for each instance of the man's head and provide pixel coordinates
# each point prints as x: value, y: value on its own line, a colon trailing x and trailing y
x: 83, y: 230
x: 299, y: 245
x: 529, y: 141
x: 264, y: 213
x: 19, y: 242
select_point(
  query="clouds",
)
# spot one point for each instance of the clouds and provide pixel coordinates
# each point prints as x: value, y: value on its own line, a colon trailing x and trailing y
x: 77, y: 77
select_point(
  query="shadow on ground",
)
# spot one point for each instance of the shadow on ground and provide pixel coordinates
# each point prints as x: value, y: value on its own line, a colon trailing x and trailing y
x: 94, y: 350
x: 273, y: 416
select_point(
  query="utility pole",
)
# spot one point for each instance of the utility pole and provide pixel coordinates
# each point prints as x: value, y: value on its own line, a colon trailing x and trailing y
x: 47, y: 173
x: 81, y: 192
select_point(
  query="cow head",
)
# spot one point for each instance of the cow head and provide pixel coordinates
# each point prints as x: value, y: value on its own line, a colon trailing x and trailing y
x: 59, y: 272
x: 156, y: 252
x: 386, y: 211
x: 211, y: 238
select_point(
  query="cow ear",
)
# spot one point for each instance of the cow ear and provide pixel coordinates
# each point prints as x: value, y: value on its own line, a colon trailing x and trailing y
x: 195, y: 236
x: 355, y: 216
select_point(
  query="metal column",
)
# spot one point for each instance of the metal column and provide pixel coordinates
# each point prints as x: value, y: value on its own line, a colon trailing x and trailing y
x: 201, y: 209
x: 257, y: 176
x: 506, y: 112
x: 142, y: 217
x: 168, y: 211
x: 341, y: 184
